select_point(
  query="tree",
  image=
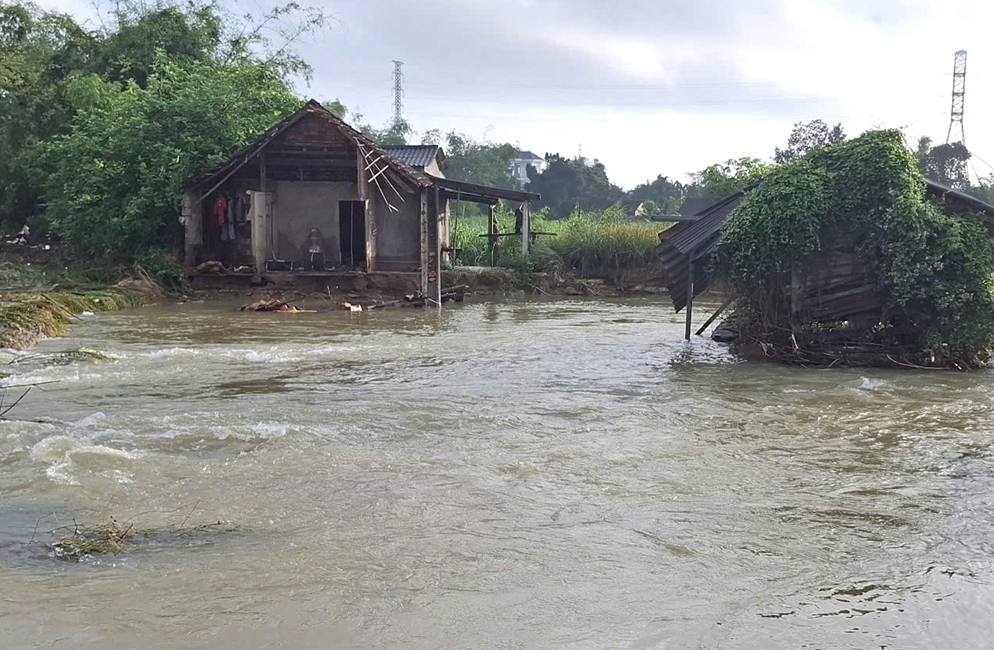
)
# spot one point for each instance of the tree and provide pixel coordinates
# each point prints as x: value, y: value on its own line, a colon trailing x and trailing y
x: 666, y: 195
x: 483, y: 163
x: 724, y: 179
x: 946, y: 164
x: 51, y: 68
x: 567, y: 185
x: 807, y: 137
x: 112, y: 184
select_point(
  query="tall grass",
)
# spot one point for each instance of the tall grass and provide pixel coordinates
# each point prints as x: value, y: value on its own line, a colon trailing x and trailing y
x: 24, y: 317
x: 587, y: 243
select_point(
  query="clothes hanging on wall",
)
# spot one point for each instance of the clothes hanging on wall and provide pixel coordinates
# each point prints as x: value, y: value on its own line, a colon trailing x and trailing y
x: 220, y: 209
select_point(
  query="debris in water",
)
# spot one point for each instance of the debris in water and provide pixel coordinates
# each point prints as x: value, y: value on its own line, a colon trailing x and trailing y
x: 78, y: 543
x: 276, y: 305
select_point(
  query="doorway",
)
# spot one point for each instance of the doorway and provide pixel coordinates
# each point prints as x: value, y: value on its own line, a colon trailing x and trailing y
x: 352, y: 232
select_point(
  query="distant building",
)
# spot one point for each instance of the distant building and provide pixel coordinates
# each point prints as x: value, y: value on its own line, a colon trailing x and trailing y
x: 634, y: 210
x: 520, y: 165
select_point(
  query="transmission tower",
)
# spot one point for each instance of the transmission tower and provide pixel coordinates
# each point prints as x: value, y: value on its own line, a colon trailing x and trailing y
x: 398, y: 92
x: 959, y: 96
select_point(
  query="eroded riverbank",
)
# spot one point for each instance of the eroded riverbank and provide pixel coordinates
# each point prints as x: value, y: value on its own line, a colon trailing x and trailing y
x: 499, y: 474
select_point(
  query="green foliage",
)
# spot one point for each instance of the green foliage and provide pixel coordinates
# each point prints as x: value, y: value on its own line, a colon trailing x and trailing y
x: 777, y: 225
x: 587, y: 243
x: 934, y: 270
x: 51, y: 68
x: 945, y: 163
x: 164, y: 269
x: 805, y: 138
x: 661, y: 196
x: 569, y: 185
x: 724, y: 179
x: 113, y: 182
x: 483, y: 163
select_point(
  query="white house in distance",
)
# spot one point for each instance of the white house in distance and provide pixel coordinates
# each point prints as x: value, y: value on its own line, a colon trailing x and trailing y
x: 520, y: 165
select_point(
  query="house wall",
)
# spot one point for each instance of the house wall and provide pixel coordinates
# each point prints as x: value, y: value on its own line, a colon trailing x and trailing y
x: 398, y: 234
x: 301, y: 206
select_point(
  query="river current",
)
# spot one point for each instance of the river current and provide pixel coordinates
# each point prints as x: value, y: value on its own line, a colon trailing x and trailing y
x: 523, y: 474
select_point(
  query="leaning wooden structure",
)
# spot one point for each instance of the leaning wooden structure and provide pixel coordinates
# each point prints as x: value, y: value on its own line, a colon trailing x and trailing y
x: 836, y: 287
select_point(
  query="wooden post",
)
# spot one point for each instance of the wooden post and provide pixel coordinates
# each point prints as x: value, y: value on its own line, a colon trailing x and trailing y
x: 526, y: 231
x: 492, y: 232
x: 192, y: 217
x: 259, y: 208
x: 690, y: 295
x: 423, y: 194
x: 435, y: 250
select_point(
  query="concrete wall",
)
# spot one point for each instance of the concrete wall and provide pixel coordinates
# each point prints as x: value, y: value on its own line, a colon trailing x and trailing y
x: 398, y: 234
x: 301, y: 206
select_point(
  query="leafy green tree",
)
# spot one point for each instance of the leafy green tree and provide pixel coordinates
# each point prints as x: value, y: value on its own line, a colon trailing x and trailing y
x: 808, y: 137
x: 483, y: 163
x: 51, y: 67
x: 113, y: 182
x: 129, y: 53
x: 724, y: 179
x: 568, y: 185
x: 39, y: 52
x: 946, y: 163
x: 665, y: 195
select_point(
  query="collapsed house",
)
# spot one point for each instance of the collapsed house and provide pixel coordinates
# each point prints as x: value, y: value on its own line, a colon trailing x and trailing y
x: 312, y: 196
x: 845, y: 255
x: 838, y: 285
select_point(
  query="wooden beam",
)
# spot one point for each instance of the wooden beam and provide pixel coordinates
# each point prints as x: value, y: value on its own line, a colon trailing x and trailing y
x: 713, y: 317
x: 484, y: 190
x: 424, y: 241
x: 470, y: 198
x: 690, y: 295
x: 435, y: 251
x: 331, y: 163
x: 526, y: 208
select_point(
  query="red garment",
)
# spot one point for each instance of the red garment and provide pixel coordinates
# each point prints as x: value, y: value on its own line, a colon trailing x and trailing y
x: 220, y: 209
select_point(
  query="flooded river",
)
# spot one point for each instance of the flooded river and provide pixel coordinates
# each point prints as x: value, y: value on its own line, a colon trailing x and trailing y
x: 542, y: 474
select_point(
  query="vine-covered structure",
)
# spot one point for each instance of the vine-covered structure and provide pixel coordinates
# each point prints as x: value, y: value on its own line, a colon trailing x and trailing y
x: 847, y: 254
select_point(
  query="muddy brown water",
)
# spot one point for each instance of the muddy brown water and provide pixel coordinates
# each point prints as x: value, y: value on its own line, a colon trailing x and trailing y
x: 532, y: 474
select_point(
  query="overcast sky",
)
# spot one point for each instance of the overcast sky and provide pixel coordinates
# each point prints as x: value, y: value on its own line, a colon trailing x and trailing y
x: 655, y: 86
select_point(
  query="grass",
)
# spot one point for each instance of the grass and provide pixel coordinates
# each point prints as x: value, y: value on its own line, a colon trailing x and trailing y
x: 588, y: 244
x: 25, y: 317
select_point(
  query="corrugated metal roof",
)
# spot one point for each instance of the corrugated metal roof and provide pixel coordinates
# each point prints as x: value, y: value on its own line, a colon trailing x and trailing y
x: 696, y: 239
x: 415, y: 155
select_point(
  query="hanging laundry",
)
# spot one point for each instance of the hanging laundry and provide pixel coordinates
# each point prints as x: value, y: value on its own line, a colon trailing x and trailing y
x: 220, y: 209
